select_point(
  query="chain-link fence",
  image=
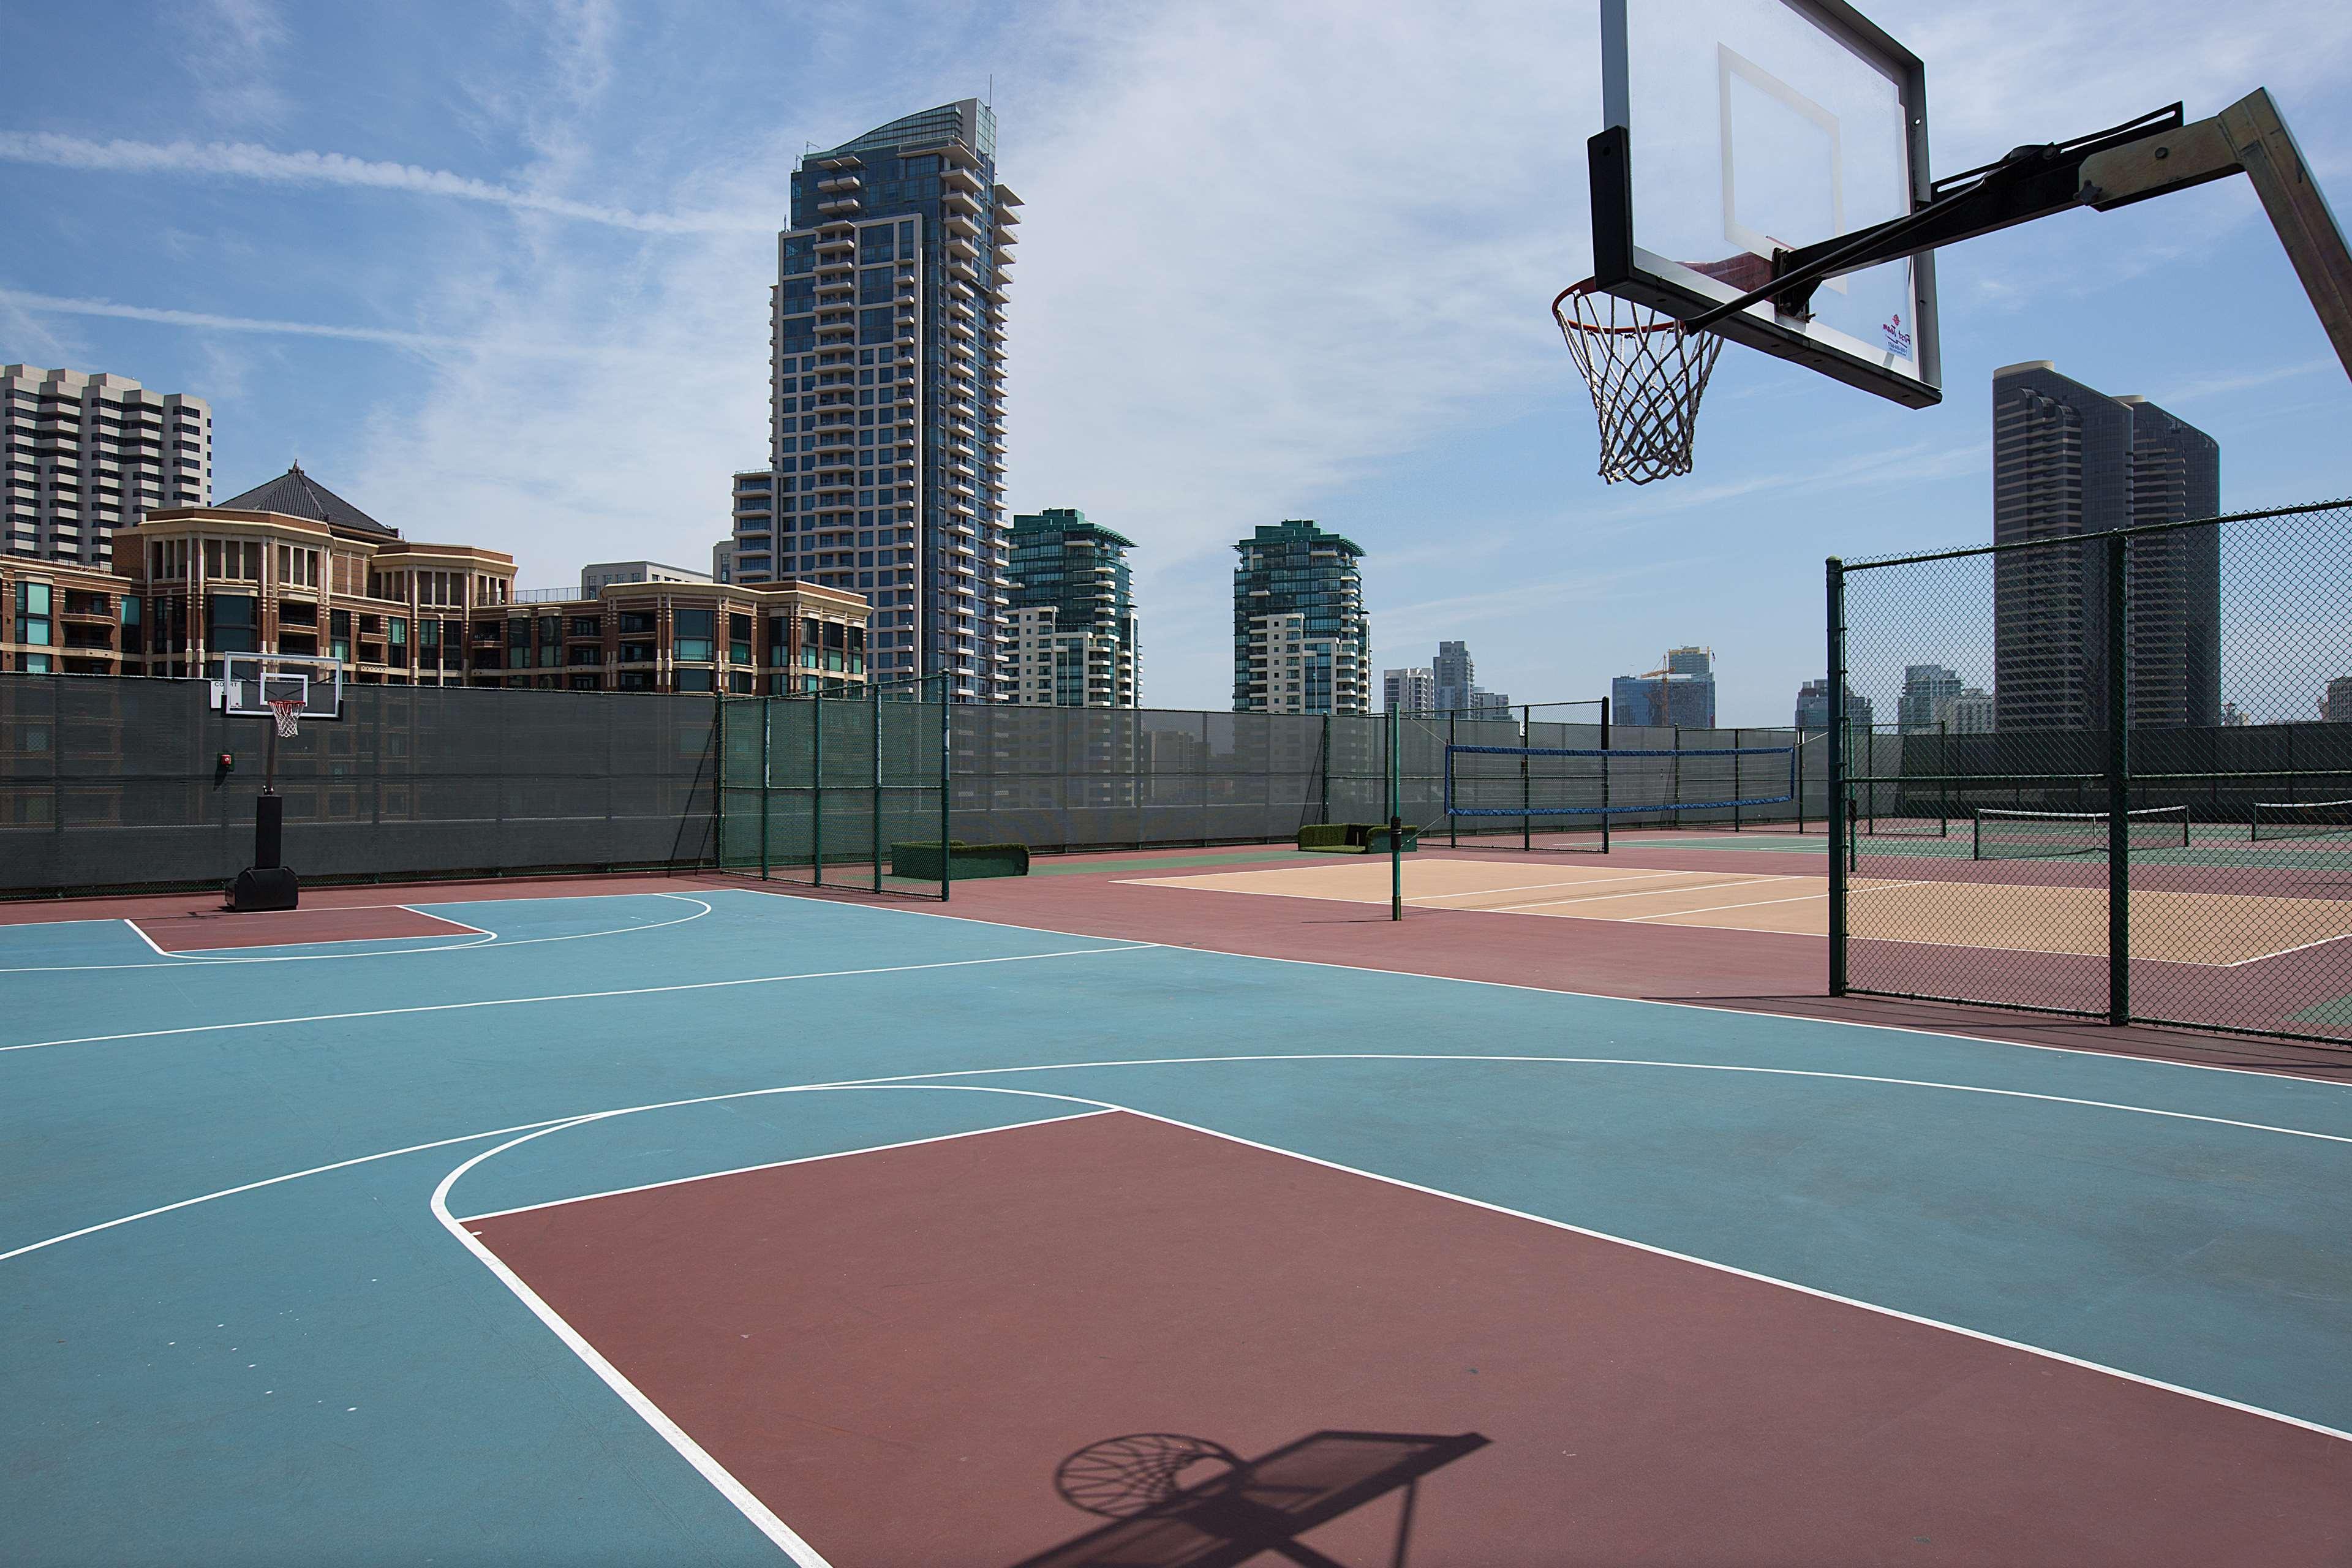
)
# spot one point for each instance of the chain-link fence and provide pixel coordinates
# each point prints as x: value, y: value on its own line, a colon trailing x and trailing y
x: 2103, y: 774
x: 115, y: 783
x: 838, y: 791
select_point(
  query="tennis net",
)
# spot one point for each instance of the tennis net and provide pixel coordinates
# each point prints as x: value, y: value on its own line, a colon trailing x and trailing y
x: 1577, y: 781
x: 2047, y: 834
x: 2301, y: 820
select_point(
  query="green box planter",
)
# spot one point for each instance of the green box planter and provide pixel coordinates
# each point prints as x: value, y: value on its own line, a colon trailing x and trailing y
x: 1354, y: 839
x: 966, y: 861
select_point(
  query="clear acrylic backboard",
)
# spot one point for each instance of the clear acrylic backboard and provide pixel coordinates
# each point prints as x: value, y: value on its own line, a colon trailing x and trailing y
x: 1752, y: 126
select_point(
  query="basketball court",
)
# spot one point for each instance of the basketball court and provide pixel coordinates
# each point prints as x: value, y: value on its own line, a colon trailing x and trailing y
x: 1182, y: 1207
x: 678, y: 1219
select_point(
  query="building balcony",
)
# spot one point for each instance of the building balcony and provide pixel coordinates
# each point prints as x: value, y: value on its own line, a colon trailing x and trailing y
x: 840, y: 241
x: 840, y: 206
x: 845, y: 180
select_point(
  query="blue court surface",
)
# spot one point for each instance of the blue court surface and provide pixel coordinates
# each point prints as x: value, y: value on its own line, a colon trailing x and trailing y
x: 247, y: 1323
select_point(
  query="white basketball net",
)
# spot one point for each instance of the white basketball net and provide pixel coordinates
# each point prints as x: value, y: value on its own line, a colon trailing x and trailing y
x: 1645, y: 372
x: 289, y: 713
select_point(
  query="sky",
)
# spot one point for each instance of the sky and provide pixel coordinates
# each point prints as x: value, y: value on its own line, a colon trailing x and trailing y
x: 498, y: 272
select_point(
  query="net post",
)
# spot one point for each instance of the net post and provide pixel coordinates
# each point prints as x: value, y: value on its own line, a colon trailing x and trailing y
x: 1453, y: 823
x: 1527, y: 795
x: 1604, y: 777
x: 1396, y: 820
x: 2118, y: 548
x: 1835, y: 572
x: 1738, y: 739
x: 873, y: 705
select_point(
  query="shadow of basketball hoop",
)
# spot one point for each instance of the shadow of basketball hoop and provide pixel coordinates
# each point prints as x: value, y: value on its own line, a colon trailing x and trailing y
x: 1178, y: 1501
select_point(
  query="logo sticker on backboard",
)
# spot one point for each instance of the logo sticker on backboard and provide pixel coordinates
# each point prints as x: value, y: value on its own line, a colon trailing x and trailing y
x: 1898, y: 338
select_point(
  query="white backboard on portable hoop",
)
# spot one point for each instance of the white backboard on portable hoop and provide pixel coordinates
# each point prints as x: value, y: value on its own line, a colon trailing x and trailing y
x: 244, y: 683
x: 1757, y: 125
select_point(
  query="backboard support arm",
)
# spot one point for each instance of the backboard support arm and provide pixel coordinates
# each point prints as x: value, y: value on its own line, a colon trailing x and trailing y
x: 2108, y: 170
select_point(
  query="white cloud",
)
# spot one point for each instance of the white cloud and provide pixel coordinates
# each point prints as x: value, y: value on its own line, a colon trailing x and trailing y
x: 245, y: 161
x: 231, y: 47
x: 36, y: 304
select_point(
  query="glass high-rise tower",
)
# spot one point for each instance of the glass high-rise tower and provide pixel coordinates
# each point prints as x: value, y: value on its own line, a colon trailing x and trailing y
x: 2068, y: 460
x: 886, y: 448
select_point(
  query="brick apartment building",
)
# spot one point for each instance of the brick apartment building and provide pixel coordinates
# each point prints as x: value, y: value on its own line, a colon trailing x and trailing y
x: 292, y: 568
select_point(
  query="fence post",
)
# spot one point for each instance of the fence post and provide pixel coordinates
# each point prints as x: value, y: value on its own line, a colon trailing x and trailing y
x: 1738, y: 739
x: 2118, y: 781
x: 947, y: 756
x: 1396, y: 818
x: 816, y: 781
x: 874, y: 695
x: 1797, y: 773
x: 1836, y: 576
x: 1677, y: 765
x: 1944, y: 778
x: 1322, y: 776
x: 767, y: 755
x: 1446, y: 779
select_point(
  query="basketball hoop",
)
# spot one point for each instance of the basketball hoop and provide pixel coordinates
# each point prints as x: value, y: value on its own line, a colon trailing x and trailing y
x: 1645, y: 370
x: 288, y: 713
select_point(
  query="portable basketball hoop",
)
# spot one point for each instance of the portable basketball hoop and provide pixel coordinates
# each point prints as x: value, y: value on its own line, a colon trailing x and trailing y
x: 1647, y: 371
x: 287, y: 711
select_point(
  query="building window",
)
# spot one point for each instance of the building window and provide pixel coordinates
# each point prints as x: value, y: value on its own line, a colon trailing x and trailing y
x: 33, y: 617
x: 695, y: 634
x: 396, y: 631
x: 229, y: 622
x: 586, y: 627
x: 694, y: 680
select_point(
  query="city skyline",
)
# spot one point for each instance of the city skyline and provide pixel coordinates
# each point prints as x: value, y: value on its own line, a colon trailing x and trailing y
x: 531, y: 307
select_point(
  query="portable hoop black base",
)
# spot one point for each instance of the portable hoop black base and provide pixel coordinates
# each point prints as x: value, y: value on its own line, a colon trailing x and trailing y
x: 266, y: 884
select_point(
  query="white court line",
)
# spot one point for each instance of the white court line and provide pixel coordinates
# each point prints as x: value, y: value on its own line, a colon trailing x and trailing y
x: 2286, y: 1070
x: 1760, y: 903
x: 692, y: 1452
x: 184, y: 961
x: 1538, y: 887
x: 1270, y: 1056
x: 270, y: 1181
x: 568, y: 997
x: 461, y: 925
x: 1637, y: 893
x: 913, y: 1082
x: 2266, y: 957
x: 771, y: 1165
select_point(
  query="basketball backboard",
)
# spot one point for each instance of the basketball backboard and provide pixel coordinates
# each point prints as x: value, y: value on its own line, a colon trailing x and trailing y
x: 1737, y: 128
x: 244, y: 683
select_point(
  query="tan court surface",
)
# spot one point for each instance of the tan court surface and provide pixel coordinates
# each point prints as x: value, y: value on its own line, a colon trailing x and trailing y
x: 2170, y: 928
